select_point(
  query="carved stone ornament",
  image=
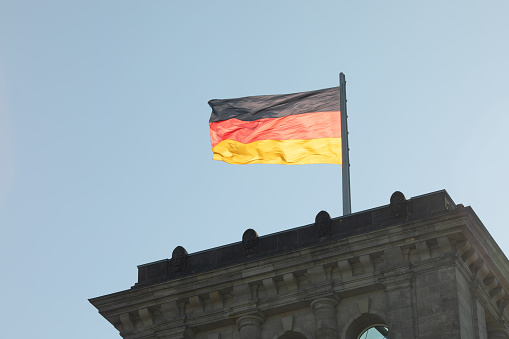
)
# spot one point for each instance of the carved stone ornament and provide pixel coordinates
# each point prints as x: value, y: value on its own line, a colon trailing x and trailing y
x: 398, y: 204
x: 179, y: 259
x: 250, y: 241
x: 323, y: 224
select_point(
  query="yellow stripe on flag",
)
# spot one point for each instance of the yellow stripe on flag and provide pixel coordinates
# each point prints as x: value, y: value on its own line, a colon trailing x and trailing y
x: 289, y: 152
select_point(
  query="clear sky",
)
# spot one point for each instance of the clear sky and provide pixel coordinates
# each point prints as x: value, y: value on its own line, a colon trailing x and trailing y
x: 105, y: 157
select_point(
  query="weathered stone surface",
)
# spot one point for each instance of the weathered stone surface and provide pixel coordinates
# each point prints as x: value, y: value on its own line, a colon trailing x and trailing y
x: 422, y: 267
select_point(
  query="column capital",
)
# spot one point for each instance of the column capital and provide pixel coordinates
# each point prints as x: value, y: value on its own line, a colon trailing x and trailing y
x: 250, y: 325
x: 324, y: 303
x: 255, y: 319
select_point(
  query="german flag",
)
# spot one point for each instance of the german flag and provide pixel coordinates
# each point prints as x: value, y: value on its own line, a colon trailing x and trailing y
x: 294, y: 129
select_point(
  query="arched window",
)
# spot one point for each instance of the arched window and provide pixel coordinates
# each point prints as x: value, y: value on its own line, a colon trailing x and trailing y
x: 375, y: 332
x: 368, y: 326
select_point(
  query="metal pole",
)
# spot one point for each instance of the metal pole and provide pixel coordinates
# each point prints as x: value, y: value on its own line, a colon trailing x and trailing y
x: 347, y: 204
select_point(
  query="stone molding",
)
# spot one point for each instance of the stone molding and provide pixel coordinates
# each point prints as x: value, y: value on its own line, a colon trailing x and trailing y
x: 481, y: 274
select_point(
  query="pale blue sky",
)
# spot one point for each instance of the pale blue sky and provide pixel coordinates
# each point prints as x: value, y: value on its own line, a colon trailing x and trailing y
x: 105, y: 158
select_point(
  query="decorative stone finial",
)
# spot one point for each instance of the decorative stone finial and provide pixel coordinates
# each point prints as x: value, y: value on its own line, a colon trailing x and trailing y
x: 250, y: 242
x: 323, y: 224
x: 398, y: 204
x: 179, y: 259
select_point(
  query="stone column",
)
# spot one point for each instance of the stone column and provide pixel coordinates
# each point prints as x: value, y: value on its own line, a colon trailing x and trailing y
x: 250, y: 326
x: 325, y: 317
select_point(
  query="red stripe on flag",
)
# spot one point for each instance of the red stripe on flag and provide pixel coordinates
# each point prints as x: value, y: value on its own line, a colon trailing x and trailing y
x: 301, y: 126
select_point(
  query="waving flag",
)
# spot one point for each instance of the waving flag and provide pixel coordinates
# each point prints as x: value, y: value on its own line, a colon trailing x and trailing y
x: 300, y: 128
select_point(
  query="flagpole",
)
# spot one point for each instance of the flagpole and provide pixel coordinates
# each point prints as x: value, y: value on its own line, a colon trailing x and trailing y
x: 347, y: 204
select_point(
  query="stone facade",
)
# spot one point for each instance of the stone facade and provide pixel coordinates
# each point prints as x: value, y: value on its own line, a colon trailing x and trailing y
x: 423, y: 267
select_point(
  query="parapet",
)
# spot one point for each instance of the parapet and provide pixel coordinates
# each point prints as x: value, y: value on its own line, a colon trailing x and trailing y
x: 399, y: 211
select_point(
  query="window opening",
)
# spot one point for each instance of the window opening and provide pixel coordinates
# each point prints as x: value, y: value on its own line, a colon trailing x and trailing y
x: 375, y: 332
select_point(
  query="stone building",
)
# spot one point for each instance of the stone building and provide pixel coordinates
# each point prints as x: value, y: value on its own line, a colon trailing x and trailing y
x: 418, y: 268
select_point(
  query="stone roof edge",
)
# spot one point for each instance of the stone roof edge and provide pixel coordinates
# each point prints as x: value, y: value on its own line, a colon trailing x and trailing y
x: 307, y: 225
x: 150, y: 289
x: 500, y: 260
